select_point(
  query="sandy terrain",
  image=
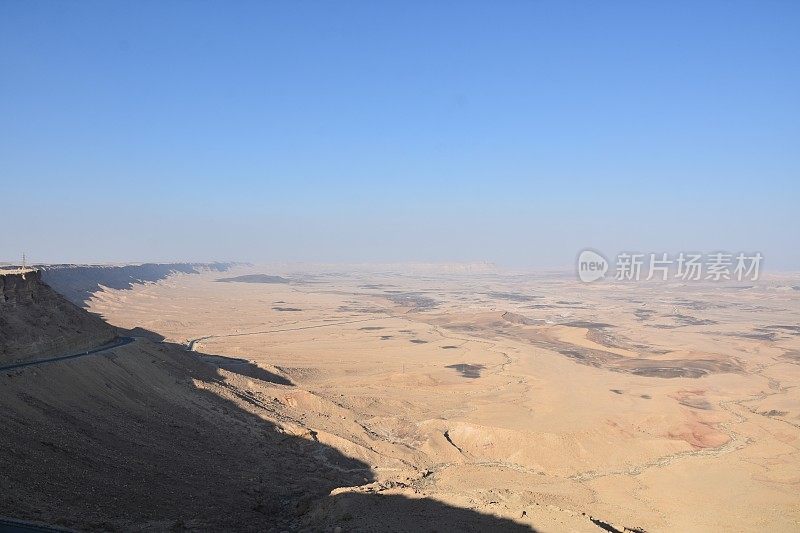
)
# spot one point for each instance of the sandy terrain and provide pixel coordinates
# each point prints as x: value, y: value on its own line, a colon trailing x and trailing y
x: 559, y: 405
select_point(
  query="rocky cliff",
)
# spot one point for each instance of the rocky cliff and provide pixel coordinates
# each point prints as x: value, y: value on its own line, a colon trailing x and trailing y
x: 36, y: 321
x: 78, y: 282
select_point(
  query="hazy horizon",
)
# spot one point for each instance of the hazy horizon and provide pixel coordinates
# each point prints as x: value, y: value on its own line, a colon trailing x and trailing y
x: 409, y: 266
x: 516, y: 134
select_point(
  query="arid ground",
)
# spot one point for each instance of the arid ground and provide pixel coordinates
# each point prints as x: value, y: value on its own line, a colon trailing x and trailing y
x: 558, y: 405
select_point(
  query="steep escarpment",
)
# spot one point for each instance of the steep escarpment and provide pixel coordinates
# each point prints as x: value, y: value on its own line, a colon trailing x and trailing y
x: 78, y: 282
x: 149, y: 438
x: 36, y: 321
x: 144, y: 436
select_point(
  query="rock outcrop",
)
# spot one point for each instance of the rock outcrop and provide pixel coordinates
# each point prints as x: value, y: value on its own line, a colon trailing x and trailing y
x: 36, y: 321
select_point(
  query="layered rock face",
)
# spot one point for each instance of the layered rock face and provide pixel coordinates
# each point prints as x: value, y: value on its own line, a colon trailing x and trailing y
x: 36, y: 321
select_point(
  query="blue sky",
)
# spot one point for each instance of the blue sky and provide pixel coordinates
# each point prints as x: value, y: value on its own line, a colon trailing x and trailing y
x: 514, y: 132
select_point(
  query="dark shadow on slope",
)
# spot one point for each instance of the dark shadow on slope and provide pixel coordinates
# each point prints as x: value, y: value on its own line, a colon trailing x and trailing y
x: 245, y: 368
x: 144, y: 333
x: 236, y: 365
x: 135, y: 440
x: 375, y: 512
x: 129, y: 440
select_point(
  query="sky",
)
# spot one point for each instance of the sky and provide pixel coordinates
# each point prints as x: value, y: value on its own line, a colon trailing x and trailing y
x: 515, y: 132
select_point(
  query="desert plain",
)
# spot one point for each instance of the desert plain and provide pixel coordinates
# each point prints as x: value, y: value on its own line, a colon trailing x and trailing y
x: 535, y: 398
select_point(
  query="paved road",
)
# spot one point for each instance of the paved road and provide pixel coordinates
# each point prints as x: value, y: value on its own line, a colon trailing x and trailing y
x: 10, y: 525
x: 120, y: 341
x: 192, y: 342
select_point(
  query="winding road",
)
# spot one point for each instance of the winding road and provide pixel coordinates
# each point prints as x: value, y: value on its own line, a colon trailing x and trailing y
x: 193, y: 342
x: 12, y: 525
x: 119, y: 341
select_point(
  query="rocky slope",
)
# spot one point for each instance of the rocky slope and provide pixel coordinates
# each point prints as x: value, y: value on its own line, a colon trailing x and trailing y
x: 36, y: 321
x: 150, y: 437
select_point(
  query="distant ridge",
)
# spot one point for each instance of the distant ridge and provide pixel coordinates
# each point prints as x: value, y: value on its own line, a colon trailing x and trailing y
x: 78, y: 283
x: 254, y: 278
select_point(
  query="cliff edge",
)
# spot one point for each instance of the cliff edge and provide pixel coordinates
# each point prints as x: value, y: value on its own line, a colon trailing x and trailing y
x: 36, y: 321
